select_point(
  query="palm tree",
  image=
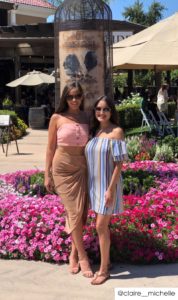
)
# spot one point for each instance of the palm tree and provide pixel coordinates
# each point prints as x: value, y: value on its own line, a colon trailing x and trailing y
x: 136, y: 14
x: 154, y: 13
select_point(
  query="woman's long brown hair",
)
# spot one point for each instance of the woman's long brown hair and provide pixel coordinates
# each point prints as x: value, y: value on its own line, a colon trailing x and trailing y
x: 63, y: 106
x: 114, y: 115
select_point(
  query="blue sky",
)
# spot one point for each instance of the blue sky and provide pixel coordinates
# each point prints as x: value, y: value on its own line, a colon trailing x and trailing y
x: 117, y: 7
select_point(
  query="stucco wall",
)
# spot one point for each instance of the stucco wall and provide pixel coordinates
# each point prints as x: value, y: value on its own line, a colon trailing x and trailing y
x: 22, y: 20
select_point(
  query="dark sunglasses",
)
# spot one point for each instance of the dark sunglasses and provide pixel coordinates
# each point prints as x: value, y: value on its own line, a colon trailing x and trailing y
x: 105, y: 109
x: 71, y: 97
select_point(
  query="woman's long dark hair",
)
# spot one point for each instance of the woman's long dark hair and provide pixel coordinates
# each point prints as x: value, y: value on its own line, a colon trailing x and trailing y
x: 63, y: 106
x: 114, y: 115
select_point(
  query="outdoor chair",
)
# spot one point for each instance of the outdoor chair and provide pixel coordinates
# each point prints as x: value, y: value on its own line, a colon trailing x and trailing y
x: 7, y: 133
x: 156, y: 123
x: 149, y: 120
x: 145, y: 121
x: 165, y: 124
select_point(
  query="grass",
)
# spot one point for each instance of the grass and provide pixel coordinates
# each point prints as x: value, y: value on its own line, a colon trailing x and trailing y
x: 137, y: 130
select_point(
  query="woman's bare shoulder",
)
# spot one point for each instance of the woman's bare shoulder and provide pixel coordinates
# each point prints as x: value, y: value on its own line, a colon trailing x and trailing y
x: 118, y: 133
x: 55, y: 119
x: 55, y: 116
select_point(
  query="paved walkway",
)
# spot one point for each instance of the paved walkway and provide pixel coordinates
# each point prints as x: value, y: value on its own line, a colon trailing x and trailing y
x: 32, y: 153
x: 29, y: 280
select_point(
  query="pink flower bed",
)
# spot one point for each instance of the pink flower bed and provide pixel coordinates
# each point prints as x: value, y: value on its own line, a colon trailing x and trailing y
x: 147, y: 230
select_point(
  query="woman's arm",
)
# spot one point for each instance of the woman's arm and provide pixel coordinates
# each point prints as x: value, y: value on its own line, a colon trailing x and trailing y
x: 51, y: 147
x: 109, y: 194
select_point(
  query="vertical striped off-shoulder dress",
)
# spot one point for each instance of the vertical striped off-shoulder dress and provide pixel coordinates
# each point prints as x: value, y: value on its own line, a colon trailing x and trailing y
x: 101, y: 154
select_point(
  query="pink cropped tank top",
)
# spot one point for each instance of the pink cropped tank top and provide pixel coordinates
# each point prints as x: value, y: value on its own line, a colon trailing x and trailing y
x: 72, y: 134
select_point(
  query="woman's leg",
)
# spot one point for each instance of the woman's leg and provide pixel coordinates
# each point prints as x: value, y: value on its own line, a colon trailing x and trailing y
x: 102, y: 223
x: 74, y: 252
x: 77, y: 237
x: 73, y: 260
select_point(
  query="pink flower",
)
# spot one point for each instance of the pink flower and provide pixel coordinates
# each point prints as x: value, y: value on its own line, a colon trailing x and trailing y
x: 147, y: 230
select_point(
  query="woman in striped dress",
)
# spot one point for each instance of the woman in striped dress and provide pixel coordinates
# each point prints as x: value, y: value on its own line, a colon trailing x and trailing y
x: 105, y: 153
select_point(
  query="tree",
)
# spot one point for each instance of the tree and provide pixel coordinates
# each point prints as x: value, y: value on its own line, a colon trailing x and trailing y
x: 136, y: 13
x: 154, y: 13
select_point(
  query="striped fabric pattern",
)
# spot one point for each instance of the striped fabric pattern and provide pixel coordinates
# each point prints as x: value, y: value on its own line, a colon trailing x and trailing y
x: 101, y: 153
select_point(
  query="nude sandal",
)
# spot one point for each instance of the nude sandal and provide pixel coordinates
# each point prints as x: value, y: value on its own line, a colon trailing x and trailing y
x: 100, y: 278
x: 74, y: 266
x: 85, y: 268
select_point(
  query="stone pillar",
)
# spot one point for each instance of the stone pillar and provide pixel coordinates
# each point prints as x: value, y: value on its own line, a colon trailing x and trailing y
x: 81, y: 58
x: 83, y: 41
x: 12, y: 17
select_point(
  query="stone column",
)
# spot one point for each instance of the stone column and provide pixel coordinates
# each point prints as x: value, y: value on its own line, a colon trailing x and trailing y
x: 12, y: 17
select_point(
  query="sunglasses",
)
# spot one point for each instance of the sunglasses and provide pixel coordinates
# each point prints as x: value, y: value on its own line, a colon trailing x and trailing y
x: 105, y: 109
x: 71, y: 97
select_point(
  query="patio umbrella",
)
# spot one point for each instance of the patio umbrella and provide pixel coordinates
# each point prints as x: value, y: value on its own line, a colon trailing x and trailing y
x: 155, y: 47
x: 33, y: 78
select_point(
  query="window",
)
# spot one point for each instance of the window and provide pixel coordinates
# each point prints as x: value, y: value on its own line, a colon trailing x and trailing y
x: 3, y: 17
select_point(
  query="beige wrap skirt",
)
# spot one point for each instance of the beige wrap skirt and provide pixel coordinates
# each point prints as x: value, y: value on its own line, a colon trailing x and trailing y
x: 69, y: 172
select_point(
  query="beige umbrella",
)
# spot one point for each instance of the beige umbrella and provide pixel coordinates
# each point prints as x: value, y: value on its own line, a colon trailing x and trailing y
x: 155, y: 47
x: 32, y: 79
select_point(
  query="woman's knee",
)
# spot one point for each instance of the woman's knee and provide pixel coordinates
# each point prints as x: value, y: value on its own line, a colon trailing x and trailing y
x: 101, y: 228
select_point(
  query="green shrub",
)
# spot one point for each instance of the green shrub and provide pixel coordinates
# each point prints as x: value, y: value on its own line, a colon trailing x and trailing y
x: 140, y: 147
x: 22, y: 126
x: 129, y: 116
x: 133, y: 146
x: 8, y: 112
x: 129, y: 111
x: 171, y: 109
x: 37, y: 184
x: 135, y: 99
x: 170, y: 141
x: 19, y: 125
x: 137, y: 131
x: 30, y: 184
x: 7, y: 102
x: 137, y: 182
x: 164, y: 153
x: 120, y: 81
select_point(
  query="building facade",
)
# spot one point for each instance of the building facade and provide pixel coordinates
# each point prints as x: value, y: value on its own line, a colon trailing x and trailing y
x: 21, y: 12
x: 25, y: 46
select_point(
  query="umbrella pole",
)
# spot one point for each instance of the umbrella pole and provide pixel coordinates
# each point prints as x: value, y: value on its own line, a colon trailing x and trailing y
x: 36, y: 103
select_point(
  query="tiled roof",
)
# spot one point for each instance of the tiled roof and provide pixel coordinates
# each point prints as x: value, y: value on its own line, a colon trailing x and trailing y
x: 39, y: 3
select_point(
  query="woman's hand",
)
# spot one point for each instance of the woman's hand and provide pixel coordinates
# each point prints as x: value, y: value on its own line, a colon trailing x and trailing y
x: 109, y: 198
x: 48, y: 183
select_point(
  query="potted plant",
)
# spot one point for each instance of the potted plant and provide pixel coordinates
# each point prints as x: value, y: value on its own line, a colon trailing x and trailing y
x: 7, y: 103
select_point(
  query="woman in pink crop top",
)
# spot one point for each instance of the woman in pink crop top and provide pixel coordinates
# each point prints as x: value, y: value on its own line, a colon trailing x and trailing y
x: 66, y: 169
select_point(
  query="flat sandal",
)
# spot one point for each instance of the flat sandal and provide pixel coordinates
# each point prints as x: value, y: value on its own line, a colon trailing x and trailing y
x: 98, y: 275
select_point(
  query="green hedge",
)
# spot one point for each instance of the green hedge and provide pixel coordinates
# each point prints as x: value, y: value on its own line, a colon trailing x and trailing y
x: 19, y: 126
x: 11, y: 113
x: 130, y: 115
